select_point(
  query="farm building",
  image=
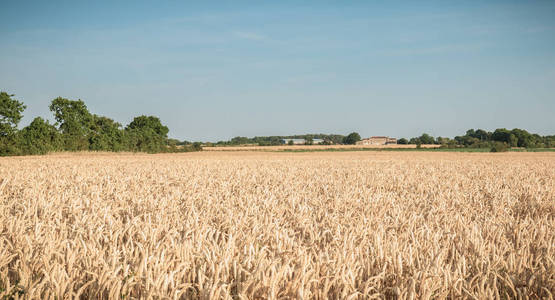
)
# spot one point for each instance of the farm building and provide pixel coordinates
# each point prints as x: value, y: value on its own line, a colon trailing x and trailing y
x: 295, y: 141
x: 301, y: 141
x: 377, y: 140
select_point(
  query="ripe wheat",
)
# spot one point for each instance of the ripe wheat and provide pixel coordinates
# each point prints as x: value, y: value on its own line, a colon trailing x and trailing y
x: 278, y: 225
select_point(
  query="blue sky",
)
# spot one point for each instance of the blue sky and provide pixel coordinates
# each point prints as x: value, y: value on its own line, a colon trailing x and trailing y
x: 211, y: 72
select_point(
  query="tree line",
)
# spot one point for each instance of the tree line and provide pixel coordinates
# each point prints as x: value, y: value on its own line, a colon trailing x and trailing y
x: 77, y: 129
x: 480, y: 138
x: 274, y: 140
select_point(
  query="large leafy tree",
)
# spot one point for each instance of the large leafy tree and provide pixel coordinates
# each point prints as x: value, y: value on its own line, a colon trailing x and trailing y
x: 150, y: 122
x: 523, y: 138
x: 105, y: 134
x: 352, y: 138
x: 426, y: 139
x: 39, y: 137
x: 10, y: 114
x: 74, y: 121
x: 505, y: 136
x: 146, y: 134
x: 402, y: 141
x: 482, y: 135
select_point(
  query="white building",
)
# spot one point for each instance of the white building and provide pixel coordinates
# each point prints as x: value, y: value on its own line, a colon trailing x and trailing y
x: 302, y: 141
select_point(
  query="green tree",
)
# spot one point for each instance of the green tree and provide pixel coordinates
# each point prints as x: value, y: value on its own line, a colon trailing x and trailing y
x: 197, y: 146
x: 172, y: 145
x: 470, y: 132
x: 414, y: 140
x: 441, y: 140
x: 105, y: 134
x: 151, y: 122
x: 10, y: 114
x: 146, y: 134
x: 39, y: 137
x: 402, y: 141
x: 74, y: 121
x: 240, y: 140
x: 352, y: 138
x: 523, y: 138
x: 549, y: 141
x: 482, y: 135
x: 291, y: 143
x: 505, y: 136
x: 426, y: 139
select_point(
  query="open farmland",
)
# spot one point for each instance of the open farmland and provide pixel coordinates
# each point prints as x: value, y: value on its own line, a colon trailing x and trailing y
x: 250, y: 225
x: 312, y: 147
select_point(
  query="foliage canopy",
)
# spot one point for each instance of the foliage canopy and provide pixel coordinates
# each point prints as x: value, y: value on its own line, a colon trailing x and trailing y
x: 77, y: 129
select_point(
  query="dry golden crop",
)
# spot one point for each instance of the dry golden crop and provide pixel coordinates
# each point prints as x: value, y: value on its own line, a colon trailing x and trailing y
x: 311, y: 147
x: 349, y: 225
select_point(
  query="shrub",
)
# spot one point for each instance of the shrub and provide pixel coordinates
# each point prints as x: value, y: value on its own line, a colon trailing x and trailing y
x: 197, y: 146
x: 499, y: 147
x: 39, y: 137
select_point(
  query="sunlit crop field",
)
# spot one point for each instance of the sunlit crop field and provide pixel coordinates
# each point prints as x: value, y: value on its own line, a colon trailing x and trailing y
x: 252, y: 225
x: 311, y: 147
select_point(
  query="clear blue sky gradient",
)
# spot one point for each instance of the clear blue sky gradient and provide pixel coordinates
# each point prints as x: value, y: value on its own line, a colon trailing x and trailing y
x: 211, y: 72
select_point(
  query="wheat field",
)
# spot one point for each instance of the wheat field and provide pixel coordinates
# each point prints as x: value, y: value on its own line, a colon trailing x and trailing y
x: 252, y: 225
x: 312, y: 147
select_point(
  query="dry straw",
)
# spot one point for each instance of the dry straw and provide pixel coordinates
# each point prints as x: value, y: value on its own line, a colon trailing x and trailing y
x: 275, y: 225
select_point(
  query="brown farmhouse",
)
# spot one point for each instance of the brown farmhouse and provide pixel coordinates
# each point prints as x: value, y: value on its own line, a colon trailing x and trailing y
x: 377, y: 140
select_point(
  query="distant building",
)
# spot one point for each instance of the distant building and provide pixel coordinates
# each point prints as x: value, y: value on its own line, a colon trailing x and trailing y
x: 295, y: 141
x: 317, y: 141
x: 377, y: 140
x: 301, y: 141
